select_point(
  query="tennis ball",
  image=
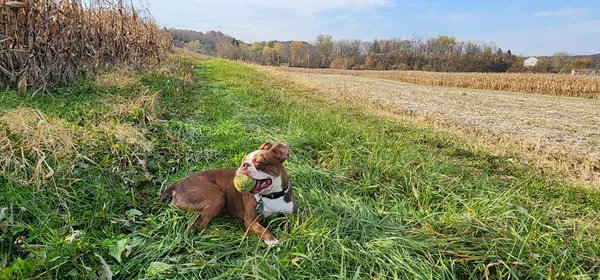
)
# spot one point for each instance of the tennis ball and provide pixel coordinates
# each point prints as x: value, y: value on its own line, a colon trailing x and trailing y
x: 244, y: 183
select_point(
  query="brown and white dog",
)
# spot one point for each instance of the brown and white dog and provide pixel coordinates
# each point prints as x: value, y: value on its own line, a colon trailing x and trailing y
x: 212, y: 192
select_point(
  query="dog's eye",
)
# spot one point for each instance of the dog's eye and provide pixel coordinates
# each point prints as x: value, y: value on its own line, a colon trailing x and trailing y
x: 258, y: 164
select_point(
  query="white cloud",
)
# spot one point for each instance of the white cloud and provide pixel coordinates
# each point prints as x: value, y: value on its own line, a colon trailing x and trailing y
x: 569, y: 12
x: 305, y: 7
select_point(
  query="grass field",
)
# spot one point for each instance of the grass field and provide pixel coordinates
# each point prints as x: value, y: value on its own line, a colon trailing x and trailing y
x: 378, y: 199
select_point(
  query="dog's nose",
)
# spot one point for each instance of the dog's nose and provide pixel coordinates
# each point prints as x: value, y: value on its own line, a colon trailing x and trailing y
x: 245, y: 165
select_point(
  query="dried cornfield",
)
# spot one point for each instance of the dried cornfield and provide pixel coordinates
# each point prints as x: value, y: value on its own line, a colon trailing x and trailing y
x: 551, y: 84
x: 51, y: 43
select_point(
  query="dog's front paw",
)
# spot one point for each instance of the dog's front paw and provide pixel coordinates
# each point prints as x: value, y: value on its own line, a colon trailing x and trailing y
x: 272, y: 242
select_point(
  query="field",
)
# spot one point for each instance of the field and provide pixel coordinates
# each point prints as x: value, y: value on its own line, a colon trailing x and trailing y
x: 550, y: 84
x: 555, y: 134
x: 379, y: 198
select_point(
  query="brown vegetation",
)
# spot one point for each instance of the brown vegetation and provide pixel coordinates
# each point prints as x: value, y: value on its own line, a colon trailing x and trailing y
x: 550, y: 84
x: 142, y: 109
x: 49, y: 43
x: 34, y: 147
x: 119, y: 79
x: 584, y: 63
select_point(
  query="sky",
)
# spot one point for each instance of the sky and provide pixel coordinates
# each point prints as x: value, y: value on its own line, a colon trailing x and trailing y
x: 539, y: 27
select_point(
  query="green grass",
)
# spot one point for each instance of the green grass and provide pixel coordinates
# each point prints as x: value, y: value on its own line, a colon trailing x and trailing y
x: 377, y: 199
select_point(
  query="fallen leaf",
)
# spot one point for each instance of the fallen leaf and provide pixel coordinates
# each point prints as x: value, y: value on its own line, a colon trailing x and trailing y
x: 74, y: 236
x: 117, y: 249
x: 3, y: 213
x: 507, y: 178
x: 128, y: 250
x: 106, y: 268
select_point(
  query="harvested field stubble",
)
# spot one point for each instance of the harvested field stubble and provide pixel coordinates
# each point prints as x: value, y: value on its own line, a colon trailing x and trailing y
x: 50, y: 43
x: 550, y: 84
x: 557, y: 135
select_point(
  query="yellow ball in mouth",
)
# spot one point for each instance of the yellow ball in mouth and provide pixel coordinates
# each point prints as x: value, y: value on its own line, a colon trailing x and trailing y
x: 244, y: 183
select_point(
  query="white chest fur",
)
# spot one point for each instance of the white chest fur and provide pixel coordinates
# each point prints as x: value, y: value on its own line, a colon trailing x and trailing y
x: 274, y: 206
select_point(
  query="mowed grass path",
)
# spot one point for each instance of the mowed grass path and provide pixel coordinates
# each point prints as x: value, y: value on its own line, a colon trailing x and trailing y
x: 377, y: 199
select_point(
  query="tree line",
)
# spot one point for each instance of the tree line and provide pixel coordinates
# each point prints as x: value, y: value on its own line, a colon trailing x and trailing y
x: 441, y: 54
x: 200, y: 42
x: 562, y: 62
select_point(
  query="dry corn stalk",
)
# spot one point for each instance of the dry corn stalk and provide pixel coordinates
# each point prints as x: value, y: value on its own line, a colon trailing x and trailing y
x: 550, y: 84
x: 50, y: 43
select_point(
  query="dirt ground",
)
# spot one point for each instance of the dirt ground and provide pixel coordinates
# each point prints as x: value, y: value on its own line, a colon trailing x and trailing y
x: 565, y: 124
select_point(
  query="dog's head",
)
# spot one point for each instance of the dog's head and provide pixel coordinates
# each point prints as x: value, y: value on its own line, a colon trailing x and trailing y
x: 265, y: 165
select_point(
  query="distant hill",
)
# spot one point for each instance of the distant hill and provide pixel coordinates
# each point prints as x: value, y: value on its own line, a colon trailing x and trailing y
x: 208, y: 40
x: 285, y: 43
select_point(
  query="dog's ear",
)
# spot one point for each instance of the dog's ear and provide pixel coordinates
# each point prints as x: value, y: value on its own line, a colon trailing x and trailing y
x: 266, y: 146
x: 281, y: 151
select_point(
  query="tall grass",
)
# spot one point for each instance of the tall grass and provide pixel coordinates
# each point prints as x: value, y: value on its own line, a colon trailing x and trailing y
x: 377, y: 199
x: 50, y: 43
x: 550, y: 84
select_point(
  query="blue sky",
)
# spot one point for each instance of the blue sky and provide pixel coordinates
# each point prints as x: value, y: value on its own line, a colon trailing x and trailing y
x: 525, y: 27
